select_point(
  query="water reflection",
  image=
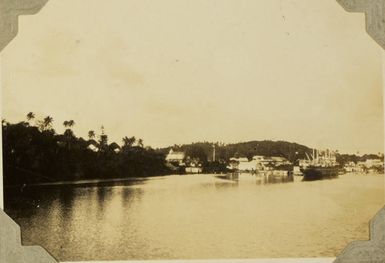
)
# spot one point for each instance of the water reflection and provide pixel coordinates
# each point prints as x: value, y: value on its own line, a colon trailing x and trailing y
x: 196, y: 216
x: 259, y: 179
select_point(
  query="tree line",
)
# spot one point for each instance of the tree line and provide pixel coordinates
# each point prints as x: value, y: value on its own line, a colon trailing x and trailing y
x: 223, y: 152
x: 33, y: 152
x: 289, y: 150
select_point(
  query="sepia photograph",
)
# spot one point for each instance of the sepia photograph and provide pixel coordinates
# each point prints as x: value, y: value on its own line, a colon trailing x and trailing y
x: 205, y: 129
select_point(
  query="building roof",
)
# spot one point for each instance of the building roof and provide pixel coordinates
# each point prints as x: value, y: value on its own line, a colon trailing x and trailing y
x: 241, y: 159
x: 93, y: 148
x: 175, y: 155
x: 279, y: 159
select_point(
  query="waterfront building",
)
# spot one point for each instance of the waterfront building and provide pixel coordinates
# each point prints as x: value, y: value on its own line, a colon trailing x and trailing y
x: 193, y: 165
x: 258, y: 163
x: 193, y: 170
x: 115, y: 147
x: 93, y: 148
x: 175, y: 157
x: 367, y: 166
x: 374, y: 163
x: 234, y: 163
x: 258, y: 157
x: 249, y: 166
x: 352, y: 167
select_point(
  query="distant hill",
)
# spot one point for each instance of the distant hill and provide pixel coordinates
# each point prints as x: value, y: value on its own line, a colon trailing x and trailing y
x: 204, y: 150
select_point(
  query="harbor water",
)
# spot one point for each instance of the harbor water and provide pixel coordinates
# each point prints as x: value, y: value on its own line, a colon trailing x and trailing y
x: 198, y: 217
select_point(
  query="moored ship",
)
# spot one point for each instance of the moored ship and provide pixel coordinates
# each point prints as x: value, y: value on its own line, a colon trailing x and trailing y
x: 322, y: 165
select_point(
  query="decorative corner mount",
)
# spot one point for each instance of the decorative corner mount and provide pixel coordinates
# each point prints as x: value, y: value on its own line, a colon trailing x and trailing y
x: 9, y: 13
x: 369, y: 251
x: 375, y: 16
x: 11, y: 248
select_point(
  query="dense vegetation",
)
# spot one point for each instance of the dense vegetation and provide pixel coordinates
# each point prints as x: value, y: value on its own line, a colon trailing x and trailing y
x: 223, y: 152
x: 36, y: 153
x: 346, y: 158
x: 291, y: 151
x: 33, y: 152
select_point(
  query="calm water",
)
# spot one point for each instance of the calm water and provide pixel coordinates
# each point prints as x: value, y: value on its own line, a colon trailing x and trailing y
x: 199, y: 216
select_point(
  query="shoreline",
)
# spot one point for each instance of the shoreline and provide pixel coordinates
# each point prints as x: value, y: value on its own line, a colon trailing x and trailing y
x: 132, y: 179
x: 83, y: 182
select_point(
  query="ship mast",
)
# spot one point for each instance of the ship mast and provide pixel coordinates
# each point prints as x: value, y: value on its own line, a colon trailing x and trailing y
x: 313, y: 156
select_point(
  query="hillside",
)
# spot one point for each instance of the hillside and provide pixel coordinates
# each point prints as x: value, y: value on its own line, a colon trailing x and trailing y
x: 204, y: 150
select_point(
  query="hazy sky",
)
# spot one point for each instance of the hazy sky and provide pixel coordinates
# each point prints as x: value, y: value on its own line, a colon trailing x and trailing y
x: 177, y: 71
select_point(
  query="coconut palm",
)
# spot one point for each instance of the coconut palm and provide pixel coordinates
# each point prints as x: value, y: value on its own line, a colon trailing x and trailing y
x: 69, y: 123
x: 128, y: 142
x: 140, y: 142
x: 68, y: 133
x: 47, y: 122
x: 30, y: 116
x: 91, y: 135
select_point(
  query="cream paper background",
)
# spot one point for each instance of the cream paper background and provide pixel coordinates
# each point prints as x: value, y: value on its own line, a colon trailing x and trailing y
x: 264, y: 260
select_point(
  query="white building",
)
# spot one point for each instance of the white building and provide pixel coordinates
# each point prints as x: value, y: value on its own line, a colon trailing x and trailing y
x: 374, y: 163
x: 236, y: 163
x: 193, y: 170
x: 258, y: 163
x: 249, y: 166
x: 92, y: 148
x: 175, y: 157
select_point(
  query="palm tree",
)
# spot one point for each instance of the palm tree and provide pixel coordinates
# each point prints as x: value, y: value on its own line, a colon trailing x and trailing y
x: 91, y: 134
x: 128, y: 142
x: 47, y: 122
x: 30, y: 116
x: 140, y: 142
x: 69, y: 137
x: 68, y: 133
x: 125, y: 141
x: 69, y: 123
